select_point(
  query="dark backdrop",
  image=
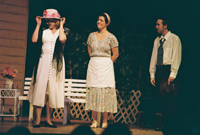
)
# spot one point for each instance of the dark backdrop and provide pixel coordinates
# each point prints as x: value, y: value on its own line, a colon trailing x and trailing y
x: 133, y: 23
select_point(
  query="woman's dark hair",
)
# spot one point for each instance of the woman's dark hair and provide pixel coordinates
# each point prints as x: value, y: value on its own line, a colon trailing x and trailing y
x: 106, y: 19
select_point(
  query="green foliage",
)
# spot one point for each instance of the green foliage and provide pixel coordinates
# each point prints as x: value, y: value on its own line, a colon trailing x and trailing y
x: 76, y: 55
x: 131, y: 68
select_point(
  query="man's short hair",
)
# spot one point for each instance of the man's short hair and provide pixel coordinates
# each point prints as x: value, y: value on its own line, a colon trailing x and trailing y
x: 165, y: 21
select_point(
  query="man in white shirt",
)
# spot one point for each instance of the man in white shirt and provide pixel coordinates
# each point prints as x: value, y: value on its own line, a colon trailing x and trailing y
x: 165, y: 62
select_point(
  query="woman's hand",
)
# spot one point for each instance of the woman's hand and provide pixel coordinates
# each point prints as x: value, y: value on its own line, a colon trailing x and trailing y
x: 38, y: 20
x: 62, y: 21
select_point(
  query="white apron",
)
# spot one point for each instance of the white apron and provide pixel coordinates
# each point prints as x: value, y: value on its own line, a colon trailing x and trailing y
x: 100, y: 85
x: 100, y: 72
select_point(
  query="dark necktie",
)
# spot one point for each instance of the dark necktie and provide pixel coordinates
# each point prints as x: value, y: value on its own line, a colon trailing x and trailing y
x: 160, y: 52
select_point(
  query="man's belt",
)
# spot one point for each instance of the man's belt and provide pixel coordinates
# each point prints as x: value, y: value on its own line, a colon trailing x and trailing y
x: 162, y: 66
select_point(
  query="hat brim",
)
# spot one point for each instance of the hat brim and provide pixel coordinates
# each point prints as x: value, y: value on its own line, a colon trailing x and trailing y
x: 50, y: 17
x: 169, y: 91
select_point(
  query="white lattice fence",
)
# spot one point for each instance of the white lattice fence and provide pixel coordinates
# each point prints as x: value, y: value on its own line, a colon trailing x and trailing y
x: 126, y: 114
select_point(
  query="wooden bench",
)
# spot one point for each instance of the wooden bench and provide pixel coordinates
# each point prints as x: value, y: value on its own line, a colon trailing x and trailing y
x: 75, y: 91
x: 27, y: 82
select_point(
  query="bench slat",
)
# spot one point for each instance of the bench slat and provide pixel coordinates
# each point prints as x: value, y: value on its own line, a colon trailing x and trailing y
x: 75, y: 94
x: 28, y: 79
x: 26, y: 92
x: 75, y: 85
x: 23, y: 98
x: 27, y: 83
x: 74, y: 100
x: 75, y: 89
x: 75, y: 80
x: 26, y: 87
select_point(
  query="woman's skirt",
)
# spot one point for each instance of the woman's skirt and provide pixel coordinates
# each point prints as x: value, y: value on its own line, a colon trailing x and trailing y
x: 100, y: 85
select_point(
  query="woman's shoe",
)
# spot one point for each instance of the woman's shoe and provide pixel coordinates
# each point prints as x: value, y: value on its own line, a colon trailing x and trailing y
x: 104, y: 125
x: 48, y: 125
x: 36, y: 126
x: 94, y: 125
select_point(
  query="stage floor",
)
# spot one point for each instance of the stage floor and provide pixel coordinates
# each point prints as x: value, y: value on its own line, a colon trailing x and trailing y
x: 67, y: 129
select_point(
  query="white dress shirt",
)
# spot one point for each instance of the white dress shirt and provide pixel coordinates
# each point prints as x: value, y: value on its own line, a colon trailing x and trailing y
x: 171, y: 54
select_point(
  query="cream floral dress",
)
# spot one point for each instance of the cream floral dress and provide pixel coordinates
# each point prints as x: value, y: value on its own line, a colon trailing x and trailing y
x: 100, y: 80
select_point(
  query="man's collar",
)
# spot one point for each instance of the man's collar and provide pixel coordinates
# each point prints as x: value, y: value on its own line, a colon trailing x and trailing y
x: 166, y: 36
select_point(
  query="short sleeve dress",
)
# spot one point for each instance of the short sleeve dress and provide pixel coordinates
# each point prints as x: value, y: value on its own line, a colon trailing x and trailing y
x: 48, y: 81
x: 100, y: 80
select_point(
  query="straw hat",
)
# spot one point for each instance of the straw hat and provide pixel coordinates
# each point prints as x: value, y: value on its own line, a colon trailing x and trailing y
x: 51, y: 13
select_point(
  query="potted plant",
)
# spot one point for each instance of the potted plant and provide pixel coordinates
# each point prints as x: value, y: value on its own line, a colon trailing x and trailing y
x: 9, y: 75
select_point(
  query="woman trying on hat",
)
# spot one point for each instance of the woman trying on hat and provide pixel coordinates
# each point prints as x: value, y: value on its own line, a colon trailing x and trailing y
x: 100, y: 81
x: 47, y: 85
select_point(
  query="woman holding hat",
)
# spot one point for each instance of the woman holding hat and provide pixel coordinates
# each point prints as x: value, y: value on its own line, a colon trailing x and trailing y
x: 100, y: 81
x: 47, y: 85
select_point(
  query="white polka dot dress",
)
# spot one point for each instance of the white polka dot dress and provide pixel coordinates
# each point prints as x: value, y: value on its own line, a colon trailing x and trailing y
x: 46, y: 80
